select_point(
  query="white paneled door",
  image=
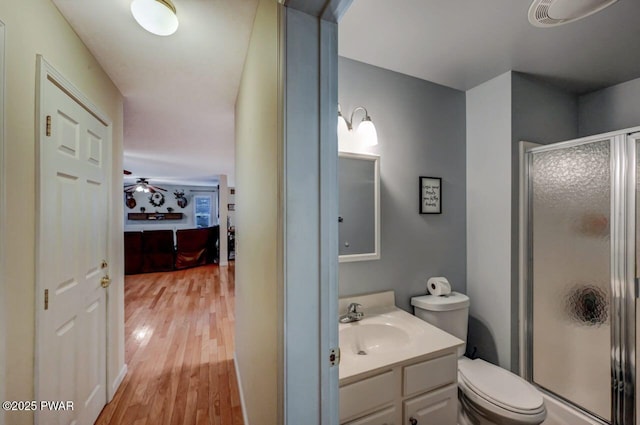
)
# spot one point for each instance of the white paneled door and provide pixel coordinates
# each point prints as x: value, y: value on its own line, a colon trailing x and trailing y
x: 72, y: 258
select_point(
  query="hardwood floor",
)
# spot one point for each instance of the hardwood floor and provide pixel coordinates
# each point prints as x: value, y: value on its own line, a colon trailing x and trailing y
x: 179, y: 350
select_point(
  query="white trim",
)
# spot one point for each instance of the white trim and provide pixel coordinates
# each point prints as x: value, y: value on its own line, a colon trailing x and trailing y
x: 242, y: 403
x: 3, y: 214
x: 116, y: 383
x: 375, y: 255
x: 46, y: 72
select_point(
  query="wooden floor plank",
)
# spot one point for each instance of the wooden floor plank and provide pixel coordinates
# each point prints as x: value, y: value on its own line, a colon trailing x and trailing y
x: 179, y: 350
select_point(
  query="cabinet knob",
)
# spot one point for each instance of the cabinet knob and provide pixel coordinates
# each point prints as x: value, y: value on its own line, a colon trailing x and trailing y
x: 413, y: 421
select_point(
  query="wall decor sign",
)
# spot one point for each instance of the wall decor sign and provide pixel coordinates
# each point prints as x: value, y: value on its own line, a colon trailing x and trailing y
x: 430, y: 195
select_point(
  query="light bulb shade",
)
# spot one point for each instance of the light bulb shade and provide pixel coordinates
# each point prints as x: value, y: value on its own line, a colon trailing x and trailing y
x: 343, y: 129
x: 156, y: 16
x: 139, y: 189
x: 367, y: 134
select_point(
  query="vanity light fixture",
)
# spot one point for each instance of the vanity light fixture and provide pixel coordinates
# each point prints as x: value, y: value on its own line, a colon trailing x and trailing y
x: 365, y: 133
x: 156, y: 16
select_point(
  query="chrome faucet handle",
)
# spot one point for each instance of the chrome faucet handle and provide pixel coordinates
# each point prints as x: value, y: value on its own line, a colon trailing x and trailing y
x: 353, y: 315
x: 353, y: 307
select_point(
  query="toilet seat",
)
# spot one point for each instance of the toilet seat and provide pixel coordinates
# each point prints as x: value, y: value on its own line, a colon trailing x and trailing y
x: 500, y: 392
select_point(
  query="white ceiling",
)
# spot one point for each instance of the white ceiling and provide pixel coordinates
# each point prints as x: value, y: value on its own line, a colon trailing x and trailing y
x: 180, y: 90
x: 462, y: 43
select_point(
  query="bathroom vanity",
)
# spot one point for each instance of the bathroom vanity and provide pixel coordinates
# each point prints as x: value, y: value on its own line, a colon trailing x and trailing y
x: 395, y: 368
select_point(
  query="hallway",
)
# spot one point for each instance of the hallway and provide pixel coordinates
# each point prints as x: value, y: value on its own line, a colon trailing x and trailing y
x: 179, y: 350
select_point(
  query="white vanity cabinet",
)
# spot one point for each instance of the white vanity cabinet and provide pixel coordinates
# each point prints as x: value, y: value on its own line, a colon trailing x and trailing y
x: 423, y: 389
x: 436, y: 407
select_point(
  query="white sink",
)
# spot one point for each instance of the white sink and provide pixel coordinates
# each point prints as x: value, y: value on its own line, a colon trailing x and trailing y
x: 385, y: 336
x: 371, y: 338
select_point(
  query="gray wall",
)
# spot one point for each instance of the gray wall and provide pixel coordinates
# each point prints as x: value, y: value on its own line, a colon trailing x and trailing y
x: 610, y: 109
x: 489, y: 219
x: 421, y: 132
x: 544, y: 114
x: 500, y: 113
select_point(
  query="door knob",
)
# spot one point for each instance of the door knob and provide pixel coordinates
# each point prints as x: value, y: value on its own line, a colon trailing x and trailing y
x: 413, y: 421
x: 104, y: 264
x: 105, y: 281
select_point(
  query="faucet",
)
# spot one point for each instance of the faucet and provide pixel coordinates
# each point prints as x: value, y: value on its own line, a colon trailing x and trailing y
x: 353, y: 315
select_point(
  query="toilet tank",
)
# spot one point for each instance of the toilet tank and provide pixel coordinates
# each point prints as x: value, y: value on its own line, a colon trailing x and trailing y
x: 449, y: 313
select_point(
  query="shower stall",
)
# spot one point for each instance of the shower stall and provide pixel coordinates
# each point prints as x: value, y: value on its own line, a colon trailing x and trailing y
x: 581, y: 279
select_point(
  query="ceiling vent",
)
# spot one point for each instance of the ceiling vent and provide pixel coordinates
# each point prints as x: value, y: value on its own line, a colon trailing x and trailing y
x: 551, y: 13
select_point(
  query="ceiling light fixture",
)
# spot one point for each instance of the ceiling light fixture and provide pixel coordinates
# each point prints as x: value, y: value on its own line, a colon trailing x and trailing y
x: 142, y: 185
x: 552, y: 13
x: 365, y: 134
x: 156, y: 16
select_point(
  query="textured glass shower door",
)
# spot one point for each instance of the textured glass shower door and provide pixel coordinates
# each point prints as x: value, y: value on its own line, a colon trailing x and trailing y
x: 580, y: 291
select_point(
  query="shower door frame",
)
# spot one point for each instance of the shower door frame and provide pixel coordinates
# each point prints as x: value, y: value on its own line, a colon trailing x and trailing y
x: 623, y: 163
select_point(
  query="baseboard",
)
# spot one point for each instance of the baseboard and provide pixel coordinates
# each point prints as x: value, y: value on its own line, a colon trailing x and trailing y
x: 117, y: 382
x: 244, y: 407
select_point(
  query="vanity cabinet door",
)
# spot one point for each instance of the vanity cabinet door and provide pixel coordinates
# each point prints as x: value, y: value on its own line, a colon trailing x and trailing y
x: 425, y: 376
x: 368, y: 394
x: 438, y: 407
x: 384, y: 417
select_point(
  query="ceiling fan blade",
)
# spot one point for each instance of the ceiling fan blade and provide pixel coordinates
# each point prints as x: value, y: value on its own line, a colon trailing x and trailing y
x: 156, y: 188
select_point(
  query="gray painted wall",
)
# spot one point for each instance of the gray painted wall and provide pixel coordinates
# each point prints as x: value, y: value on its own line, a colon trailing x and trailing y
x: 500, y: 113
x: 543, y: 114
x: 421, y: 132
x: 489, y: 219
x: 610, y: 109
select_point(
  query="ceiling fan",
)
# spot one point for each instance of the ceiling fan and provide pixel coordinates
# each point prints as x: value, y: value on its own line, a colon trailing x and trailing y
x: 142, y: 185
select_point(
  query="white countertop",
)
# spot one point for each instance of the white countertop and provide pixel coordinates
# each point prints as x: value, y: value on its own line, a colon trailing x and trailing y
x: 423, y: 340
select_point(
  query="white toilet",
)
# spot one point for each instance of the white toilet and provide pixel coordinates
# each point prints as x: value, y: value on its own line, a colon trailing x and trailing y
x: 487, y: 394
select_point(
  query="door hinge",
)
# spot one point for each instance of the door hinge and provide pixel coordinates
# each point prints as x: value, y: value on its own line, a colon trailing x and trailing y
x: 46, y: 299
x: 48, y: 125
x: 334, y: 356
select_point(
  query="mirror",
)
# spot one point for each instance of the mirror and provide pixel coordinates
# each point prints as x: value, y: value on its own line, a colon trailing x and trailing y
x: 359, y: 207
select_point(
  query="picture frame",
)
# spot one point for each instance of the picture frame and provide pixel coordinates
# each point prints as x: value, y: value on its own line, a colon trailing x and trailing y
x: 231, y: 207
x: 430, y: 195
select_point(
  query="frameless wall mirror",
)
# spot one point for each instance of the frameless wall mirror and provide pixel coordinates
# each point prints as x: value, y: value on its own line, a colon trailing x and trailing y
x: 359, y: 207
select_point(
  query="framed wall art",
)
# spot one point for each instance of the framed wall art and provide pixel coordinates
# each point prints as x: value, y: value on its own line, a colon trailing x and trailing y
x: 430, y: 195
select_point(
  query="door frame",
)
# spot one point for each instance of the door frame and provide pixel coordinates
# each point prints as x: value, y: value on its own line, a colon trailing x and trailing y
x: 3, y: 215
x: 623, y: 300
x: 46, y: 72
x: 308, y: 99
x: 523, y: 147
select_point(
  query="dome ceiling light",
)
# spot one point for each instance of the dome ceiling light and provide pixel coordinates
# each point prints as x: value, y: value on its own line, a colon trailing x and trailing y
x: 552, y: 13
x: 156, y: 16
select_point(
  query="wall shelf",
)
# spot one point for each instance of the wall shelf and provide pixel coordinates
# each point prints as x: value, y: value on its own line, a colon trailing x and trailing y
x: 155, y: 216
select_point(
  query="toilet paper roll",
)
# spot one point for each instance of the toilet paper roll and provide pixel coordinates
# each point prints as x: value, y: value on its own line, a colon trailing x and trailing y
x: 438, y: 286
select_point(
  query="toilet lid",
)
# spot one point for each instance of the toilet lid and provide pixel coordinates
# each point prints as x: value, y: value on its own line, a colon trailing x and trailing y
x: 499, y: 386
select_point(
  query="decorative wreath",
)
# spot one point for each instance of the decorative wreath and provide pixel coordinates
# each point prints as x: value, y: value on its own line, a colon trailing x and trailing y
x: 156, y: 199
